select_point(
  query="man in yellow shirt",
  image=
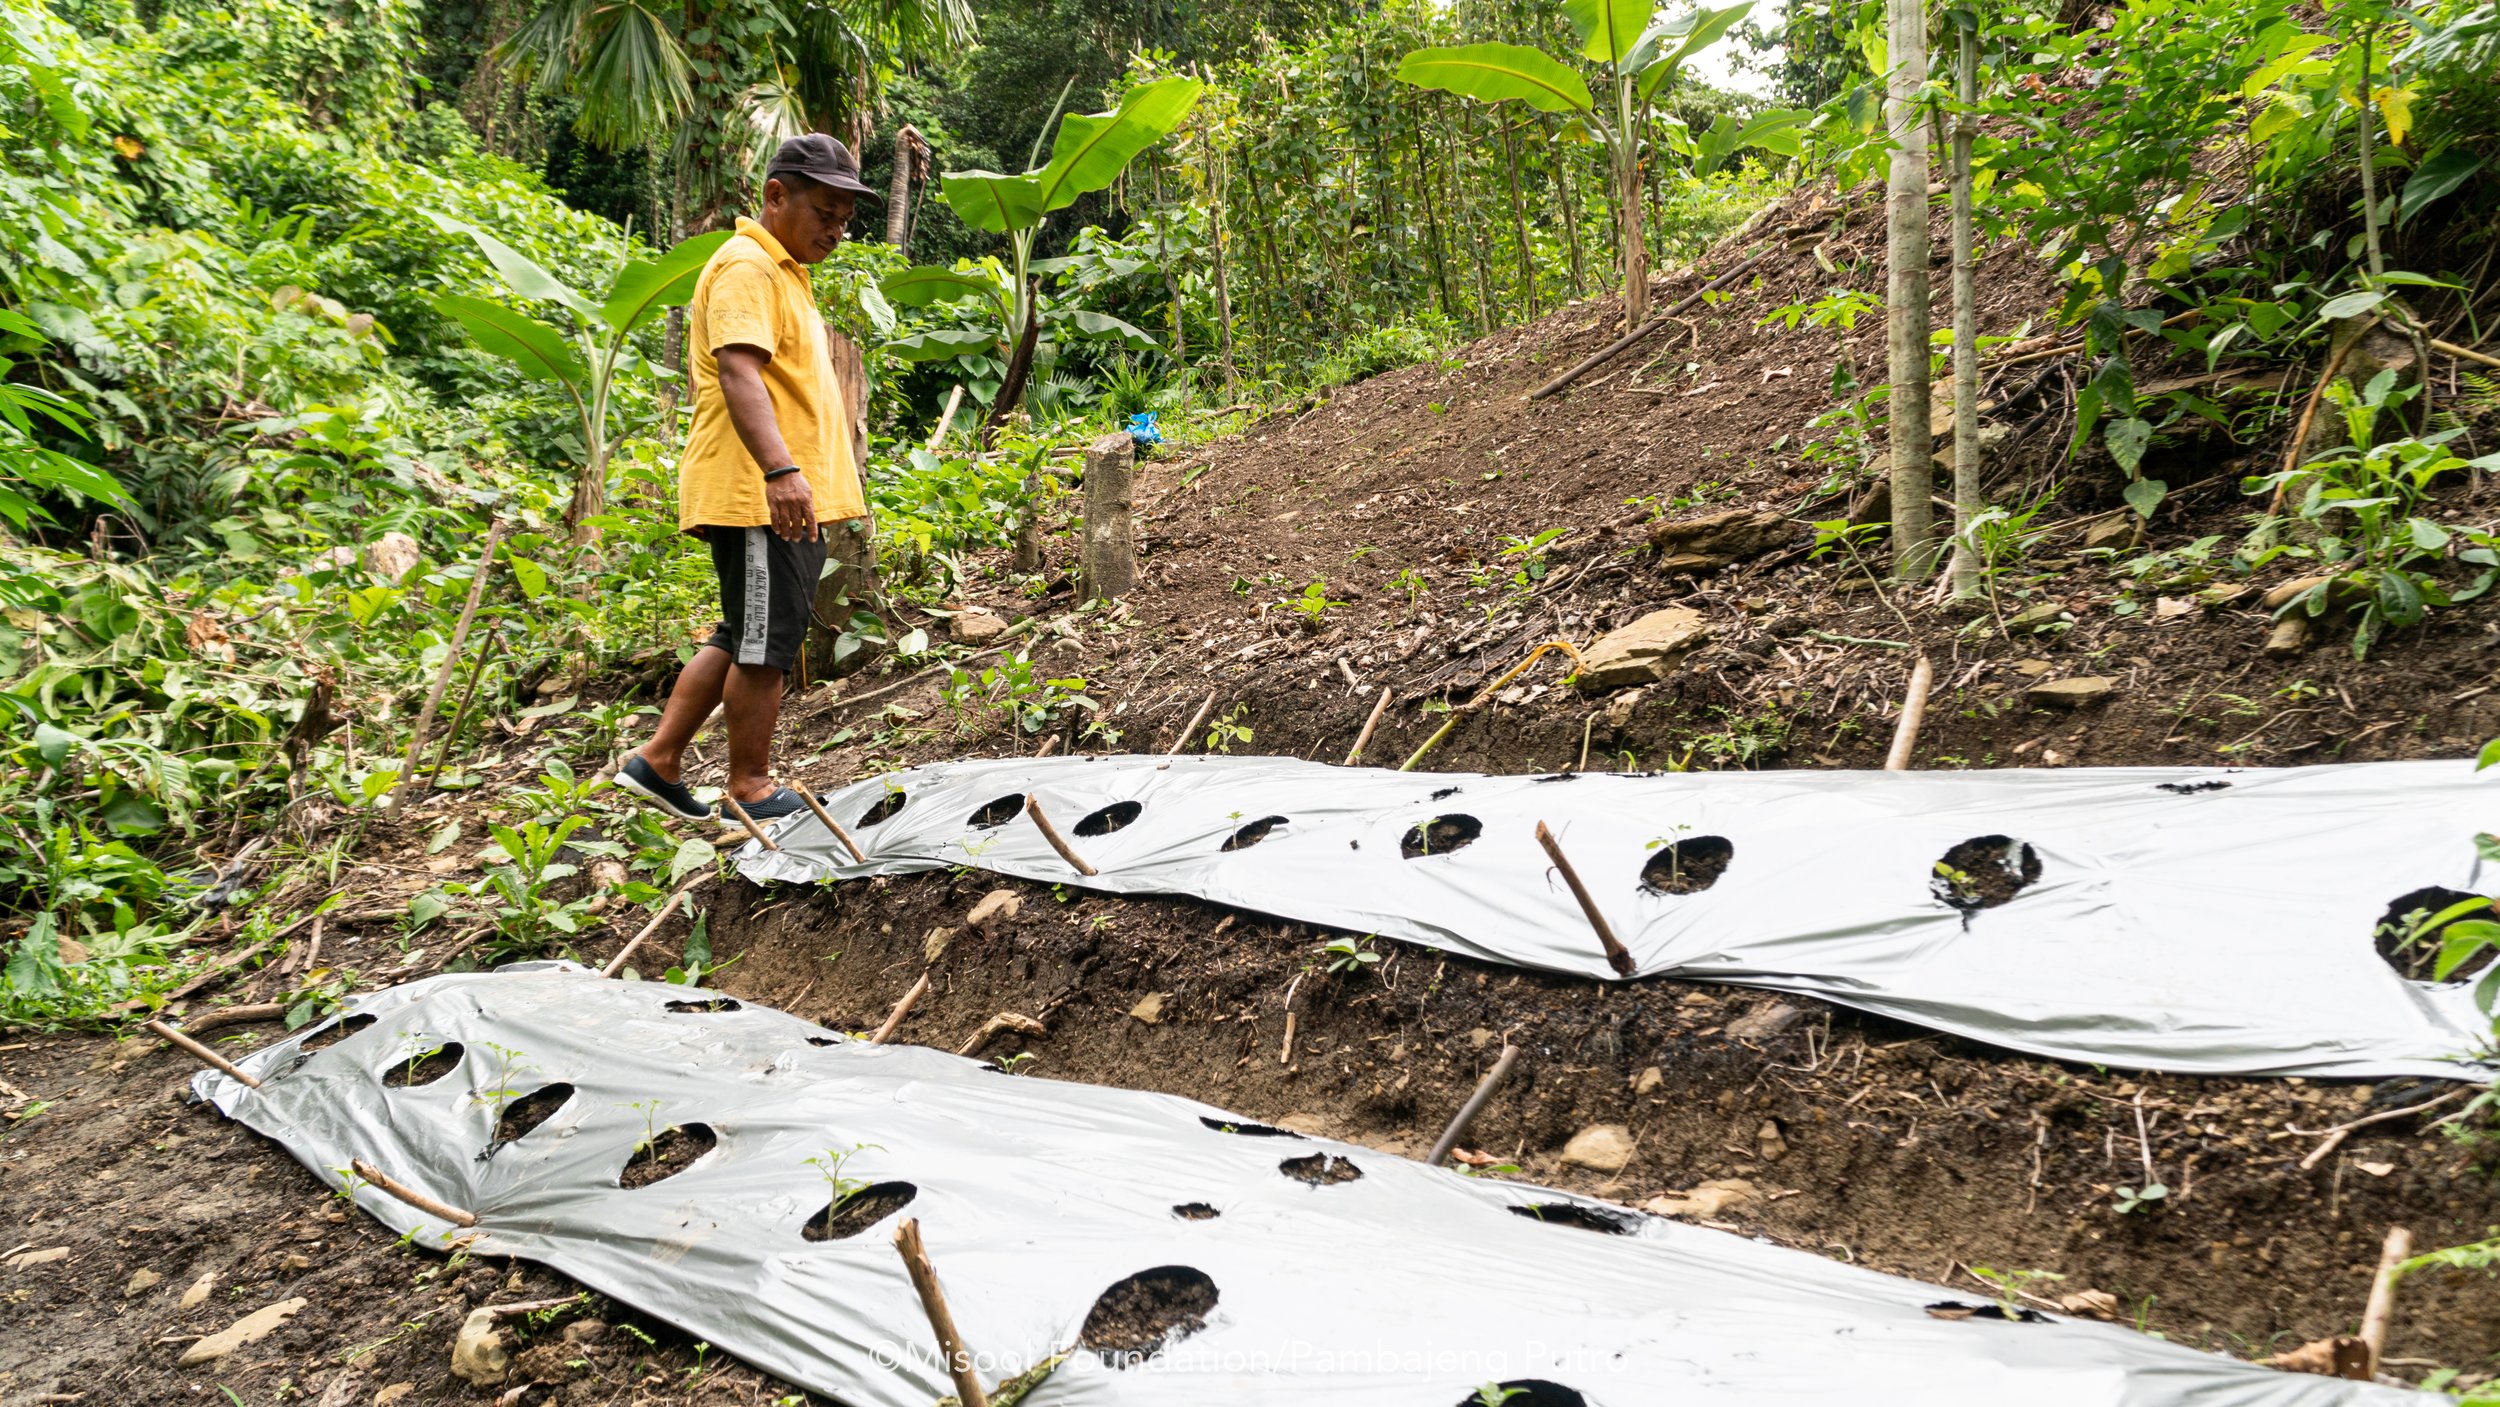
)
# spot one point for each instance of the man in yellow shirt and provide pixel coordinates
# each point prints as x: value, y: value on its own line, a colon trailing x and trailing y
x: 766, y: 466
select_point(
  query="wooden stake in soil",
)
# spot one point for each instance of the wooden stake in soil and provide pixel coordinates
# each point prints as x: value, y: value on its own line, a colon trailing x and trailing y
x: 808, y: 795
x: 1913, y: 714
x: 442, y: 676
x: 959, y: 1365
x: 1363, y: 739
x: 2397, y: 1250
x: 954, y: 401
x: 617, y: 964
x: 233, y: 1016
x: 1049, y: 745
x: 901, y: 1009
x: 1467, y: 1112
x: 1616, y: 954
x: 384, y: 1184
x: 1191, y: 727
x: 1033, y: 808
x: 202, y: 1052
x: 747, y: 821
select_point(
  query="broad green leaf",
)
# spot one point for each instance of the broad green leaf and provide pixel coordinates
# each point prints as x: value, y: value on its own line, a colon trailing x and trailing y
x: 2436, y: 177
x: 1607, y: 29
x: 1092, y: 149
x: 2461, y: 942
x: 1776, y: 131
x: 2351, y: 304
x: 2490, y: 755
x: 523, y: 273
x: 1103, y: 325
x: 53, y: 744
x: 1664, y: 48
x: 880, y: 312
x: 1494, y: 73
x: 649, y: 286
x: 2144, y: 495
x: 542, y: 353
x: 531, y: 576
x: 927, y: 284
x: 443, y: 839
x: 939, y: 345
x: 988, y: 201
x: 2127, y: 439
x: 691, y: 855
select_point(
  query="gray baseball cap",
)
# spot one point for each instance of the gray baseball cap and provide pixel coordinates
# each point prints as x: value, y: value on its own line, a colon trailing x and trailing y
x: 819, y: 158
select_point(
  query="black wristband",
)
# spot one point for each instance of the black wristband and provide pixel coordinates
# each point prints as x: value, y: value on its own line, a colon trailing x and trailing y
x: 783, y: 472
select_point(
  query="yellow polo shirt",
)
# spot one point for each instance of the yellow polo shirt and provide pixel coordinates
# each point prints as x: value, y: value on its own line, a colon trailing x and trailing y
x: 753, y: 292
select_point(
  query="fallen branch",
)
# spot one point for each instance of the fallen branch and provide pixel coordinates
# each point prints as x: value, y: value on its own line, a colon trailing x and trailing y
x: 2397, y: 1249
x: 442, y: 676
x: 2309, y: 412
x: 1617, y: 955
x: 389, y: 1187
x: 211, y: 1057
x: 2468, y: 353
x: 808, y: 795
x: 233, y: 1016
x: 1033, y: 808
x: 1003, y: 1021
x: 2335, y: 1136
x: 1191, y: 726
x: 1363, y: 739
x: 1485, y: 695
x: 1913, y: 713
x: 959, y: 1364
x: 747, y: 821
x: 617, y: 964
x: 902, y: 1009
x: 1485, y: 1089
x: 1615, y: 348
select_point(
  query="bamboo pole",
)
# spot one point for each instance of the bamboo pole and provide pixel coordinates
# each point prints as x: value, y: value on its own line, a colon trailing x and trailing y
x: 1486, y: 693
x: 1033, y: 808
x: 1363, y: 739
x: 2468, y: 353
x: 747, y: 821
x: 1191, y: 727
x: 1617, y: 956
x: 808, y: 795
x: 203, y: 1053
x: 959, y: 1364
x: 1484, y: 1092
x: 2382, y: 1307
x: 1912, y: 447
x: 1913, y: 714
x: 411, y: 1196
x: 617, y: 964
x: 1966, y: 489
x: 902, y: 1008
x: 442, y: 676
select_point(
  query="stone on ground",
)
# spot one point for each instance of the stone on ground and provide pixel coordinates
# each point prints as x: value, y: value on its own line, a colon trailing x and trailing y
x: 251, y: 1328
x: 1642, y: 652
x: 1600, y: 1148
x: 2078, y: 692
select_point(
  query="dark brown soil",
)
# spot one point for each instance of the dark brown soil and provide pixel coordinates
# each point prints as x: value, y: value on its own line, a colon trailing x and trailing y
x: 424, y: 1068
x: 1688, y: 866
x: 1320, y: 1169
x: 529, y: 1111
x: 860, y: 1211
x: 1137, y: 1317
x: 1985, y: 871
x: 1440, y: 836
x: 674, y: 1151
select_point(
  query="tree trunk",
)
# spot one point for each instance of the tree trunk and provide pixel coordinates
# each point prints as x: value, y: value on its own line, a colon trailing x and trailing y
x: 1555, y: 164
x: 1223, y: 293
x: 1519, y: 217
x: 850, y: 580
x: 1628, y: 233
x: 1966, y: 504
x: 907, y: 150
x: 1109, y: 551
x: 1905, y: 217
x: 1019, y: 370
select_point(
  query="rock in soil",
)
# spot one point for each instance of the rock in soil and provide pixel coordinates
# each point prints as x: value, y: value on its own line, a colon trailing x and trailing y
x: 1600, y: 1148
x: 197, y: 1293
x: 140, y: 1282
x: 1149, y: 1009
x: 1708, y: 1202
x: 977, y: 628
x: 1642, y: 652
x: 251, y: 1328
x: 997, y: 907
x: 1716, y: 540
x: 477, y: 1354
x: 1764, y: 1022
x: 2079, y: 692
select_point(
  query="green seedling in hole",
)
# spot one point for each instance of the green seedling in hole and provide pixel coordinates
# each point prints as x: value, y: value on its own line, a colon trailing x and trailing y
x: 1961, y: 882
x: 1223, y: 732
x: 838, y: 1188
x: 1015, y: 1064
x: 509, y: 1066
x: 1350, y: 954
x: 2129, y: 1200
x: 1494, y: 1394
x: 651, y: 1130
x: 417, y: 1057
x: 2011, y: 1285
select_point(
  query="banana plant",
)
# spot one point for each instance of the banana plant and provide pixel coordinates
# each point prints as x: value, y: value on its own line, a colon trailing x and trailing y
x: 1089, y: 153
x: 987, y: 293
x: 587, y: 361
x: 1640, y: 57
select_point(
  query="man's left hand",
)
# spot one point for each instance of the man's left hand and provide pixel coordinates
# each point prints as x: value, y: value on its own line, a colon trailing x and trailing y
x: 793, y: 506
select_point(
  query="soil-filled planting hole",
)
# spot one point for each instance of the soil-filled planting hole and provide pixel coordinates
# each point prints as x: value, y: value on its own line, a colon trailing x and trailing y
x: 1688, y: 866
x: 422, y: 1067
x: 674, y: 1151
x: 1254, y: 832
x: 1955, y: 1309
x: 1246, y: 1129
x: 1195, y: 1211
x: 2410, y: 932
x: 1440, y: 836
x: 1115, y: 816
x: 712, y: 1004
x: 1585, y: 1218
x: 335, y: 1032
x: 1526, y: 1392
x: 1320, y: 1169
x: 883, y: 811
x: 859, y: 1211
x: 1136, y: 1318
x: 528, y: 1112
x: 998, y: 813
x: 1983, y: 872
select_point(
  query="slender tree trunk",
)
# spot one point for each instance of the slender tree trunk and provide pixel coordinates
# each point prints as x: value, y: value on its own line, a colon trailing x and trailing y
x: 1019, y: 369
x: 1466, y: 215
x: 1635, y: 250
x: 1568, y: 211
x: 907, y: 148
x: 1905, y: 216
x: 1966, y: 504
x: 1425, y: 196
x: 1519, y: 217
x: 2369, y: 160
x: 1223, y: 294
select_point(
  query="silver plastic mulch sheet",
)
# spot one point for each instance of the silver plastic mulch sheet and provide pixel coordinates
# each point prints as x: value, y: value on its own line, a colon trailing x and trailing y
x: 2195, y: 920
x: 1177, y: 1254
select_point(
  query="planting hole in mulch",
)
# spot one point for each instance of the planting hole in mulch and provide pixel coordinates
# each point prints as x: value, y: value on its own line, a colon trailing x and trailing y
x: 1195, y: 1211
x: 883, y: 811
x: 526, y: 1113
x: 859, y: 1211
x: 2192, y: 788
x: 1115, y: 816
x: 2411, y: 945
x: 824, y: 1040
x: 712, y: 1004
x: 335, y: 1032
x: 1136, y: 1318
x: 1526, y: 1392
x: 998, y: 813
x: 1687, y: 866
x: 1254, y: 832
x: 1983, y: 872
x: 1955, y: 1309
x: 1585, y: 1218
x: 1440, y: 836
x: 1320, y: 1169
x: 1445, y: 793
x: 1246, y: 1129
x: 674, y: 1151
x: 422, y: 1067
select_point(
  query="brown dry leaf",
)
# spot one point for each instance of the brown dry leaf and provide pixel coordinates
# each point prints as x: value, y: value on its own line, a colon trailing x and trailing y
x: 2340, y: 1357
x: 207, y: 638
x: 1472, y: 1158
x: 2095, y: 1304
x: 130, y: 147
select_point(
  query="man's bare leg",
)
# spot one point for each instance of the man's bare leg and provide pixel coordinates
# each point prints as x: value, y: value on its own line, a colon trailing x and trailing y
x: 698, y: 692
x: 753, y: 696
